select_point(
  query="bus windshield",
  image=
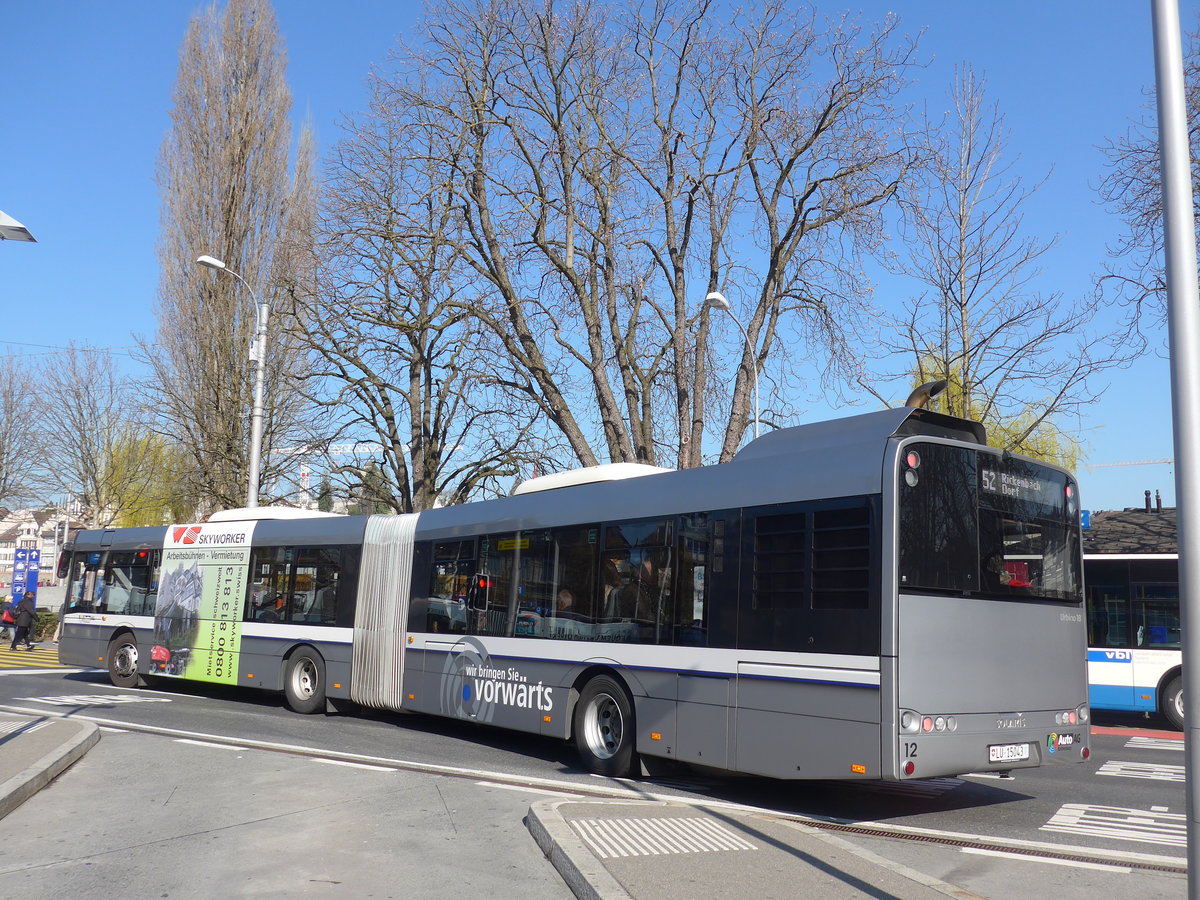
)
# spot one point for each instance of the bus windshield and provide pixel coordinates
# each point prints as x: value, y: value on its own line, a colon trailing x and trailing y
x: 986, y: 524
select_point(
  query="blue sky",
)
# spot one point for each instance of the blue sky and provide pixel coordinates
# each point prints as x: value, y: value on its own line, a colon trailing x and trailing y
x: 87, y: 91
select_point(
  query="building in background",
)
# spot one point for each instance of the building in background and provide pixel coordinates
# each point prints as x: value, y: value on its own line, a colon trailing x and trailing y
x: 44, y: 530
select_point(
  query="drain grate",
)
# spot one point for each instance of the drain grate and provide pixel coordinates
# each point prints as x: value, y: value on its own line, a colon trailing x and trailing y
x: 614, y: 838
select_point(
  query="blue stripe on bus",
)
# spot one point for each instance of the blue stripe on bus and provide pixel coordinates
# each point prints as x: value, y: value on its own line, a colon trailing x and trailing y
x: 1107, y: 696
x: 696, y: 672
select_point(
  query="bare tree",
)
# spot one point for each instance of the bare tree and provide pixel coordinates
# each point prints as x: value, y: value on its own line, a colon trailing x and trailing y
x: 1133, y: 189
x: 1019, y: 360
x: 20, y: 437
x: 610, y: 166
x: 399, y: 362
x: 226, y: 192
x: 104, y: 456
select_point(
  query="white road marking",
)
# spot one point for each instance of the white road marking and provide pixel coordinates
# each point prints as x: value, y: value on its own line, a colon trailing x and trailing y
x: 524, y: 790
x: 1076, y: 864
x: 1143, y: 825
x: 1151, y: 771
x: 1154, y: 743
x: 95, y: 699
x: 354, y: 765
x: 195, y: 743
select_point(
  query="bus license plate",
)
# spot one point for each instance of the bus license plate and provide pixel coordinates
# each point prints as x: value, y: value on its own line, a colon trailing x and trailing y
x: 1007, y: 752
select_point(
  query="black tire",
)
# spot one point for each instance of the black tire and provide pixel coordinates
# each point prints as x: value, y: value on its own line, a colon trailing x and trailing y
x: 123, y: 661
x: 1172, y: 702
x: 605, y: 732
x: 304, y: 683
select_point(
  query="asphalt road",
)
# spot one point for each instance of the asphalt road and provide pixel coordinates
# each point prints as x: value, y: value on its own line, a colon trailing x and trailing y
x: 1125, y: 805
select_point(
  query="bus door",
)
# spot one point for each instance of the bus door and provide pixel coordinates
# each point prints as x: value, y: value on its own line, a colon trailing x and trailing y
x: 1110, y: 659
x: 85, y: 582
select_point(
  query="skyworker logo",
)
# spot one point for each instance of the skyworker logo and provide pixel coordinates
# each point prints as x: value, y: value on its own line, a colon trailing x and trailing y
x: 185, y: 534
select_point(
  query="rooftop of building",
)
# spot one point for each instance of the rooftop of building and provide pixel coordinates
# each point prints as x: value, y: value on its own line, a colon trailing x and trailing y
x: 1149, y: 528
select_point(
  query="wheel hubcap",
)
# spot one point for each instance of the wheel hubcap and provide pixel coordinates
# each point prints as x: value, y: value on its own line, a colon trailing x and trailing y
x: 603, y: 726
x: 304, y: 681
x: 125, y: 660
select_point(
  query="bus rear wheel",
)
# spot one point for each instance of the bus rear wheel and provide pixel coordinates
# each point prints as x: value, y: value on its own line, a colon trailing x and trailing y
x: 123, y: 661
x: 1172, y: 702
x: 604, y: 728
x: 304, y: 684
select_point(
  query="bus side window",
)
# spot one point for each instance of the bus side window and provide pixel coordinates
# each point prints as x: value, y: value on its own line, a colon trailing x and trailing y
x: 574, y: 556
x: 495, y: 589
x: 691, y: 615
x: 449, y: 588
x: 315, y: 585
x: 266, y: 594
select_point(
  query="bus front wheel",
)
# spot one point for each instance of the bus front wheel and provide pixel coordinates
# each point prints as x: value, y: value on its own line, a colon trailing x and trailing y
x: 604, y: 728
x: 1172, y: 702
x: 304, y: 684
x: 123, y: 662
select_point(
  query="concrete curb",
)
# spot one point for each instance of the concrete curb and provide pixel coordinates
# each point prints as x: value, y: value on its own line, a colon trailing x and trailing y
x: 950, y: 890
x: 584, y: 874
x: 79, y: 737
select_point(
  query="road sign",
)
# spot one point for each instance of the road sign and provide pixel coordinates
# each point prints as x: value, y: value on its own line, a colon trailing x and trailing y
x: 26, y: 565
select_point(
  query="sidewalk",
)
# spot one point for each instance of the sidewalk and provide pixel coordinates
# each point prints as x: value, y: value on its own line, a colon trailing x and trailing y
x: 618, y: 850
x: 35, y: 750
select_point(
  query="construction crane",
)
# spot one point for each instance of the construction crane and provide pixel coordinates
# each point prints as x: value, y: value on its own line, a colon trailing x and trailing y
x: 1132, y: 462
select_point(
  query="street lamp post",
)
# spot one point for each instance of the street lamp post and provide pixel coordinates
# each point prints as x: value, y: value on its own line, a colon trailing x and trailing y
x: 716, y: 300
x: 257, y: 356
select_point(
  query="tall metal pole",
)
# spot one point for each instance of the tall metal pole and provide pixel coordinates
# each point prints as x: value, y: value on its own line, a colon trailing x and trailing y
x: 257, y: 356
x: 716, y: 300
x: 1183, y: 318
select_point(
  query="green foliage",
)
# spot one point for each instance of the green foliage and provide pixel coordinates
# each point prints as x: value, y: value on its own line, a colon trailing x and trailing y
x: 325, y: 496
x: 145, y: 472
x: 1027, y: 433
x: 44, y: 625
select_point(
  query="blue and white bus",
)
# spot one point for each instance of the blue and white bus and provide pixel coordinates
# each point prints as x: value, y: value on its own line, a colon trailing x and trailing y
x: 1134, y: 659
x: 877, y: 597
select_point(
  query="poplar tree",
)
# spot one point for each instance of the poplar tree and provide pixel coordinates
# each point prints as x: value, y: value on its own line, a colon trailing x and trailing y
x: 20, y: 439
x: 227, y: 192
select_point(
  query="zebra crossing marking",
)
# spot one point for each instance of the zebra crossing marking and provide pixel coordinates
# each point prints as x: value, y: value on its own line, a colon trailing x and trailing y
x: 95, y: 699
x: 1151, y: 771
x: 1154, y: 743
x: 1147, y: 826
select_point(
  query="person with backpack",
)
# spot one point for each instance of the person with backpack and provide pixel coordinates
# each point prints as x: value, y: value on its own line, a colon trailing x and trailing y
x: 24, y: 616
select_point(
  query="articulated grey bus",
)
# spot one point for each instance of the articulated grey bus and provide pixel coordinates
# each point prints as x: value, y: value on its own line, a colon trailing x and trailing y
x: 877, y: 597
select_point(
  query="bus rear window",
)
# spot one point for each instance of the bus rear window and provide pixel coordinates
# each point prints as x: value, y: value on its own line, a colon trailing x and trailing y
x: 983, y: 523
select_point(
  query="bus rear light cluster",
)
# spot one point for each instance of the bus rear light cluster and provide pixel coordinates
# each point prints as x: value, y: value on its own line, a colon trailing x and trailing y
x: 915, y: 723
x: 1077, y: 716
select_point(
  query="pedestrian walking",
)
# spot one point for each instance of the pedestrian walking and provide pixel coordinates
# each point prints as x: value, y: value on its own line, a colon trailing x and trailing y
x: 25, y: 614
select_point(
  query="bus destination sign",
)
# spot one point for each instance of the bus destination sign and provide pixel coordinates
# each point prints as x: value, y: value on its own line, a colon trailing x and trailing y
x: 1019, y: 485
x: 1011, y: 484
